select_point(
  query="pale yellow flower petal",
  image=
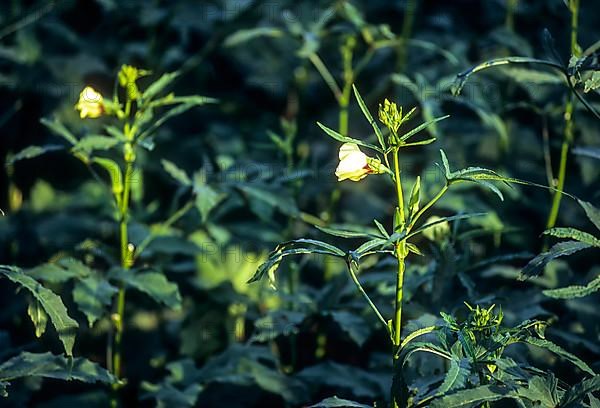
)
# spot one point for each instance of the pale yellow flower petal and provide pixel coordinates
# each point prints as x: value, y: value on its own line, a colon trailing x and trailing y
x: 90, y: 104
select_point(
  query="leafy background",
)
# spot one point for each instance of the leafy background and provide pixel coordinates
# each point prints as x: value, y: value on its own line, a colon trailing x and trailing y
x: 213, y: 337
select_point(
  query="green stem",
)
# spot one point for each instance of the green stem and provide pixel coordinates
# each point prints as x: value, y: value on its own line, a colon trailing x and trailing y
x: 399, y: 192
x: 326, y: 75
x: 367, y: 298
x: 427, y: 206
x: 401, y: 253
x: 511, y: 6
x: 348, y: 75
x: 401, y: 256
x: 407, y: 26
x: 569, y: 128
x: 126, y: 258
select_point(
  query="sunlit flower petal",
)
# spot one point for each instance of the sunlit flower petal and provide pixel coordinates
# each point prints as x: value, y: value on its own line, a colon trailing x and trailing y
x: 91, y: 103
x: 353, y: 163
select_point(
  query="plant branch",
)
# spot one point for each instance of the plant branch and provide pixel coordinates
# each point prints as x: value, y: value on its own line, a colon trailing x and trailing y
x: 367, y: 298
x: 428, y: 206
x: 326, y: 75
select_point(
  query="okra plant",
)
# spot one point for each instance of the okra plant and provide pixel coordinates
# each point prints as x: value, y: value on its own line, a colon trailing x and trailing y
x: 410, y: 209
x: 130, y: 120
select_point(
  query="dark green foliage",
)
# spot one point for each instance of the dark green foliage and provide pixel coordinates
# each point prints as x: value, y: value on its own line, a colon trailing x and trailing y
x: 239, y: 109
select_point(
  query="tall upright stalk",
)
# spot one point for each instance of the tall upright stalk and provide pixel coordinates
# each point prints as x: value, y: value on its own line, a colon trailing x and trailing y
x: 401, y: 253
x: 407, y: 27
x: 569, y: 126
x: 348, y: 80
x: 127, y: 256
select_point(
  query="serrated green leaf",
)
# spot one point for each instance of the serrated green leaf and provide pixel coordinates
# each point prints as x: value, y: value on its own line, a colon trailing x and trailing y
x: 535, y: 266
x: 575, y: 291
x: 559, y: 351
x: 175, y: 172
x: 52, y: 304
x: 541, y: 390
x: 60, y: 271
x: 577, y: 393
x: 47, y: 365
x: 155, y: 285
x: 592, y: 83
x: 93, y: 296
x: 456, y: 377
x: 574, y: 234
